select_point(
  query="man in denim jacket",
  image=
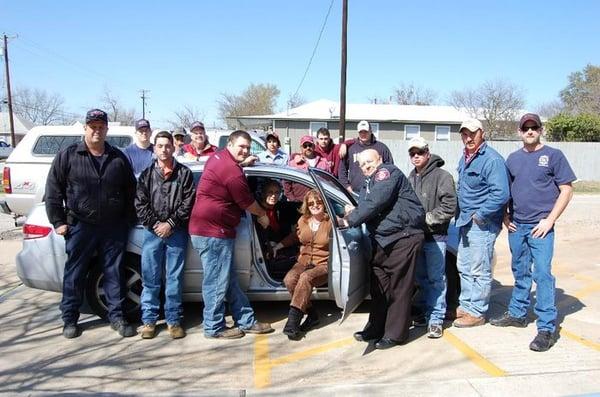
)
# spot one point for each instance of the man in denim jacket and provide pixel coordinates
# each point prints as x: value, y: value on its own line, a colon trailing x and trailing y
x: 482, y: 195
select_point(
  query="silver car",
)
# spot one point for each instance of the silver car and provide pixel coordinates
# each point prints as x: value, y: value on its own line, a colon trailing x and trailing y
x: 41, y: 262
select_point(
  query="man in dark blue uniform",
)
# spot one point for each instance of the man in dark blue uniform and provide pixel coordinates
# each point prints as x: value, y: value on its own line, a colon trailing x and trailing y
x: 395, y: 218
x: 89, y: 200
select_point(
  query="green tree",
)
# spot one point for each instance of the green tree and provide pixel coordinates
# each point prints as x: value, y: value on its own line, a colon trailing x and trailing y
x: 574, y: 128
x: 257, y: 99
x: 582, y: 94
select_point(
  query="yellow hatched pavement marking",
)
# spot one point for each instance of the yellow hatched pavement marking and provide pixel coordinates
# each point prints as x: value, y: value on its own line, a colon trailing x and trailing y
x: 577, y: 338
x: 263, y: 364
x: 475, y: 357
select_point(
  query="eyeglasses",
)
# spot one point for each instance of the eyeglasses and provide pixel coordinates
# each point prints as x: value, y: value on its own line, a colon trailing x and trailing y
x: 316, y: 203
x: 307, y: 145
x: 534, y: 128
x: 420, y: 152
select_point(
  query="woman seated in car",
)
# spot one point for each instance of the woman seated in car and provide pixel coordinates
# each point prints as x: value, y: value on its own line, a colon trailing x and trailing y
x: 310, y: 270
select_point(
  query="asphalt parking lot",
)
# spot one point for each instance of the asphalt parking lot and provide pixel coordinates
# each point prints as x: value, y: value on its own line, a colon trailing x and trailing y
x: 483, y: 361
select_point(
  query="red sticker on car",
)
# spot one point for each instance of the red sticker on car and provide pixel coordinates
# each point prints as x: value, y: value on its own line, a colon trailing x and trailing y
x: 382, y: 175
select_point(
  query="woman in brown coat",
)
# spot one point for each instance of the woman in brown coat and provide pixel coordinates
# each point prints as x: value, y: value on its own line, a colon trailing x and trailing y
x: 314, y: 227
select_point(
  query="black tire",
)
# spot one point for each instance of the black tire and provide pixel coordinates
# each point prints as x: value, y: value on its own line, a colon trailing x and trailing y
x: 132, y: 279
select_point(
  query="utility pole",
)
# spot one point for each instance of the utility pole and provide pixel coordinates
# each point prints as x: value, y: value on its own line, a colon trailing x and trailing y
x: 143, y: 96
x: 8, y: 95
x: 343, y: 72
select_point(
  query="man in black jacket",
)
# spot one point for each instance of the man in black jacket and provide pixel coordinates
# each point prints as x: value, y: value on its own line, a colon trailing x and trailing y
x: 163, y: 202
x: 394, y: 217
x: 89, y: 201
x: 435, y: 188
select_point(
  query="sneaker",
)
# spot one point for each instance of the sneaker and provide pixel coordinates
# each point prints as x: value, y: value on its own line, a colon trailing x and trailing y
x: 467, y: 321
x: 71, y: 331
x: 149, y: 331
x: 227, y: 333
x: 176, y: 331
x: 434, y: 331
x: 543, y: 341
x: 124, y: 329
x: 506, y: 320
x: 259, y: 328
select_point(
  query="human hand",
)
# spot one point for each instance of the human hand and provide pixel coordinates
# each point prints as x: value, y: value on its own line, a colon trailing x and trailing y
x: 348, y: 208
x: 250, y: 160
x: 509, y: 224
x: 263, y: 221
x: 542, y: 228
x: 275, y: 247
x: 343, y: 150
x: 349, y: 188
x: 342, y: 222
x: 162, y: 229
x: 61, y: 230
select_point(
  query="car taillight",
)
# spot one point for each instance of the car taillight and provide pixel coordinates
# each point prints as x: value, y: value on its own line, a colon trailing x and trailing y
x: 35, y: 231
x: 6, y: 180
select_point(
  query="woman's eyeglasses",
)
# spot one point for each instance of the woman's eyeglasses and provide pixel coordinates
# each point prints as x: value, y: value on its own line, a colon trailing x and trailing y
x: 316, y: 203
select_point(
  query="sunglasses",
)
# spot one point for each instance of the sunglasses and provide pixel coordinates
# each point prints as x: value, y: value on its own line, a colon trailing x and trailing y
x: 316, y: 203
x: 534, y: 128
x: 307, y: 145
x: 413, y: 153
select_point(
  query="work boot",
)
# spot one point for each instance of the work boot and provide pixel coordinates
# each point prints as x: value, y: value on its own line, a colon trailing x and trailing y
x: 71, y: 331
x: 292, y: 326
x: 176, y: 331
x: 148, y: 331
x: 506, y: 320
x: 226, y: 333
x: 543, y: 341
x: 468, y: 321
x: 311, y: 320
x: 123, y: 328
x: 259, y: 328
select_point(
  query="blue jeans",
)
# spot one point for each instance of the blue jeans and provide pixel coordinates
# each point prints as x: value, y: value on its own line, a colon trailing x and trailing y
x: 474, y: 263
x: 431, y: 277
x: 158, y: 256
x: 220, y: 282
x: 527, y: 253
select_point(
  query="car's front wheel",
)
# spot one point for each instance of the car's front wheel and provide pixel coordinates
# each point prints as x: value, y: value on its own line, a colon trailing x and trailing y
x: 132, y: 281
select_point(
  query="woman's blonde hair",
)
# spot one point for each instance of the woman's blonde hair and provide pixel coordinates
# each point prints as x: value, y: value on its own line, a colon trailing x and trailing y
x: 311, y: 195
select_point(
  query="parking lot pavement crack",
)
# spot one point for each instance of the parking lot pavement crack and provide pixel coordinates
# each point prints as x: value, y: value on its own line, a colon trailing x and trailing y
x: 7, y: 292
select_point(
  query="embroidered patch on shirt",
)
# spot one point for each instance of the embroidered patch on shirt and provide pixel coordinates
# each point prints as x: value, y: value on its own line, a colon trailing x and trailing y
x: 543, y: 161
x: 382, y: 175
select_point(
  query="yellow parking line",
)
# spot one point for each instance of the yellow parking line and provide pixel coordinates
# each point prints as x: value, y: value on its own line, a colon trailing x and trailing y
x: 587, y: 290
x: 577, y: 338
x: 477, y: 358
x: 311, y: 352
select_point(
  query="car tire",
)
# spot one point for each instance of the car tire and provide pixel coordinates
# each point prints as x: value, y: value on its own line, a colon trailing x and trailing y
x: 132, y: 284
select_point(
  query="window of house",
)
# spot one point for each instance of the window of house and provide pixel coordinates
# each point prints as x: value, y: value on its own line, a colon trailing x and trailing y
x: 442, y: 133
x: 411, y: 131
x: 315, y: 125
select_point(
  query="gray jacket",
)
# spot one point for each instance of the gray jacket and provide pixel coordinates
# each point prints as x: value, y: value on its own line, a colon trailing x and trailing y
x: 435, y: 188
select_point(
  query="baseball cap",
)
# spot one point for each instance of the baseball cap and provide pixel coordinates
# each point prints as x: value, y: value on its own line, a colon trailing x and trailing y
x: 306, y: 138
x: 363, y: 126
x: 179, y: 131
x: 530, y: 117
x: 471, y: 125
x: 96, y: 115
x: 272, y: 135
x: 142, y: 123
x: 418, y: 142
x: 197, y: 124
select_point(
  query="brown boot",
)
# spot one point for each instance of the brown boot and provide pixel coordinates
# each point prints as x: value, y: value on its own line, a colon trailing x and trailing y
x: 467, y: 321
x: 148, y: 331
x: 176, y: 331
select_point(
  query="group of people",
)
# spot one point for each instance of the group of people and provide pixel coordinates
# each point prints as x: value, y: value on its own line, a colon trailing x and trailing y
x: 95, y: 192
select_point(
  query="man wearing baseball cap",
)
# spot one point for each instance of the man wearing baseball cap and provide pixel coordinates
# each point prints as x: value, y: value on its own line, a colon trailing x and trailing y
x: 541, y: 188
x: 307, y: 157
x: 350, y: 174
x: 140, y: 153
x: 482, y: 195
x: 178, y: 141
x: 89, y: 200
x: 199, y: 146
x: 273, y: 154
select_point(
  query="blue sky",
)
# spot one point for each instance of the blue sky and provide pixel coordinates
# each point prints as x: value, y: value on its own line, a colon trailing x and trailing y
x: 188, y: 53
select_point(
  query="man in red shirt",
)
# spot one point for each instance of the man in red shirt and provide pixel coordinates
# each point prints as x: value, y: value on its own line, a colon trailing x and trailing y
x: 307, y: 157
x: 333, y: 153
x: 221, y: 198
x: 199, y: 146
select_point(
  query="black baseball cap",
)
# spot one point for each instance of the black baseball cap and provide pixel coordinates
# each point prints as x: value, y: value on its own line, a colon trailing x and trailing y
x: 96, y: 115
x: 530, y: 117
x: 141, y: 123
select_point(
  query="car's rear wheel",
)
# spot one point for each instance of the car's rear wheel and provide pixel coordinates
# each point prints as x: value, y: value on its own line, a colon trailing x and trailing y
x: 132, y: 280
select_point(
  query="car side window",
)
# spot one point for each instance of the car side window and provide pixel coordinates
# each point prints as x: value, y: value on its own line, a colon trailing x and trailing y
x: 119, y: 141
x: 49, y: 145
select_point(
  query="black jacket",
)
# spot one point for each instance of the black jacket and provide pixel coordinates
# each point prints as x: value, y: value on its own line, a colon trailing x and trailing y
x: 389, y: 206
x: 350, y: 173
x: 435, y: 188
x: 160, y: 200
x: 75, y: 188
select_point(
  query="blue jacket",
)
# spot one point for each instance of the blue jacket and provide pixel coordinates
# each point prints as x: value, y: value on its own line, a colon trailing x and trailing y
x: 483, y: 188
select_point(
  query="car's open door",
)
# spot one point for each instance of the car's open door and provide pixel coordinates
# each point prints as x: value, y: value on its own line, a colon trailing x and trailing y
x: 350, y: 249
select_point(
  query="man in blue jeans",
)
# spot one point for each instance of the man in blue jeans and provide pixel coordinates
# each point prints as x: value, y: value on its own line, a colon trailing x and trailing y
x: 540, y: 182
x: 435, y: 189
x: 222, y: 197
x: 163, y: 202
x: 482, y: 195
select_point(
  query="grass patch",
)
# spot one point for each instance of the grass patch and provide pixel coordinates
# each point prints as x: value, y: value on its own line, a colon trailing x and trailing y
x: 586, y: 187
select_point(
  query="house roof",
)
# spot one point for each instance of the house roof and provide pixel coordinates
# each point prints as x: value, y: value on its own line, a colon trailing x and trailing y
x: 324, y: 109
x: 22, y: 126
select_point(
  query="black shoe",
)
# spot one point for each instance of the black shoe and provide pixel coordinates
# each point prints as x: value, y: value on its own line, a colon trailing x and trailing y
x: 386, y: 343
x: 419, y: 321
x: 543, y: 341
x: 123, y: 328
x: 292, y: 326
x: 312, y: 320
x: 366, y: 335
x: 71, y: 331
x: 506, y: 320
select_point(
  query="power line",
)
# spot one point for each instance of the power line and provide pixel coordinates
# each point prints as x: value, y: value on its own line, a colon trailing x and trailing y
x: 314, y: 49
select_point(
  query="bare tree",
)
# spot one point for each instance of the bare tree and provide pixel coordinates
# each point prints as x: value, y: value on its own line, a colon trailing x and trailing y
x: 550, y: 109
x: 295, y: 100
x: 115, y: 110
x: 496, y: 102
x: 185, y: 117
x: 582, y: 94
x: 257, y: 99
x: 411, y: 94
x: 40, y: 107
